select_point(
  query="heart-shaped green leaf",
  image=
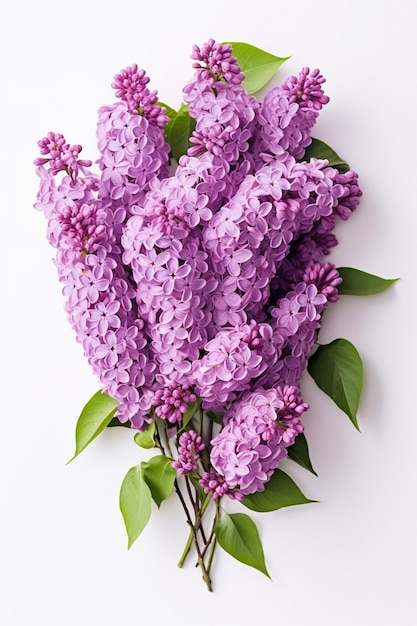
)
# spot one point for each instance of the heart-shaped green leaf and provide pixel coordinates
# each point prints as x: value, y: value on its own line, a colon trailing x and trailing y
x: 320, y: 150
x: 195, y: 480
x: 159, y: 476
x: 95, y: 416
x: 358, y: 283
x: 298, y: 452
x: 280, y: 491
x: 257, y: 65
x: 178, y: 131
x: 146, y: 439
x: 135, y: 503
x: 338, y: 371
x: 190, y: 412
x: 237, y: 534
x: 171, y: 113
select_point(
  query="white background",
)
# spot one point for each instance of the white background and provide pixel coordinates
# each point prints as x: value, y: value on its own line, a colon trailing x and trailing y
x: 348, y: 560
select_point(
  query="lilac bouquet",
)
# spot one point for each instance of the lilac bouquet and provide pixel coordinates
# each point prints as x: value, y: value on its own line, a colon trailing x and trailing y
x: 195, y: 277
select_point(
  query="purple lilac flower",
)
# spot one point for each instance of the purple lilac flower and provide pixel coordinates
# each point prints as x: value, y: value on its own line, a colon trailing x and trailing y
x: 326, y: 279
x: 84, y: 227
x: 255, y: 437
x: 130, y: 85
x: 215, y: 483
x: 190, y: 445
x: 296, y: 320
x: 225, y: 113
x: 133, y: 153
x: 208, y: 282
x: 229, y: 363
x: 287, y: 115
x: 60, y: 155
x: 306, y: 89
x: 215, y: 62
x: 289, y: 413
x: 98, y: 299
x: 171, y: 402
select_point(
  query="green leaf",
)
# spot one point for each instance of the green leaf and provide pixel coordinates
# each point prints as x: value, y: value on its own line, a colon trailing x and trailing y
x: 95, y: 416
x: 280, y: 491
x: 159, y: 476
x: 358, y: 283
x: 214, y: 417
x: 298, y: 452
x: 146, y: 439
x: 338, y: 371
x: 179, y: 130
x: 320, y: 150
x: 195, y: 479
x: 114, y: 422
x: 171, y: 113
x: 237, y: 534
x: 135, y: 503
x: 257, y: 65
x: 190, y: 412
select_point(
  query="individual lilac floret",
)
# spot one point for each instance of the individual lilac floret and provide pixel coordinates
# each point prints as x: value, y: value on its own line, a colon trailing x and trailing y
x: 130, y: 85
x: 61, y: 155
x: 190, y: 445
x: 172, y: 402
x: 216, y: 62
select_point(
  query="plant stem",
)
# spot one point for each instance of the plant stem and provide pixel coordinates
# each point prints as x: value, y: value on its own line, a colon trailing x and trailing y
x: 193, y: 538
x: 194, y: 502
x: 198, y: 514
x: 193, y: 527
x: 213, y: 538
x: 187, y: 548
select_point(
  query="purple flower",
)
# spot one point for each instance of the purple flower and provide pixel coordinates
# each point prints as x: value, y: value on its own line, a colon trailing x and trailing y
x: 326, y: 279
x: 104, y: 316
x: 208, y: 279
x: 130, y: 85
x: 215, y: 483
x: 59, y: 155
x: 253, y: 441
x: 171, y: 402
x: 110, y: 349
x: 190, y: 445
x: 215, y: 63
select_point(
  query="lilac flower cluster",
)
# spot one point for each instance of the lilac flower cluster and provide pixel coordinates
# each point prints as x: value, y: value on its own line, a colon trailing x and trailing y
x: 257, y: 432
x: 171, y: 402
x: 209, y: 281
x: 190, y: 445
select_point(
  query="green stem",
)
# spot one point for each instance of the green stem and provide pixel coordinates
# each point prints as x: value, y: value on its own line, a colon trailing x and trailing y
x: 215, y: 520
x: 168, y: 444
x: 193, y: 532
x: 187, y: 548
x: 199, y: 513
x: 210, y: 431
x: 195, y: 507
x: 213, y: 538
x: 211, y: 555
